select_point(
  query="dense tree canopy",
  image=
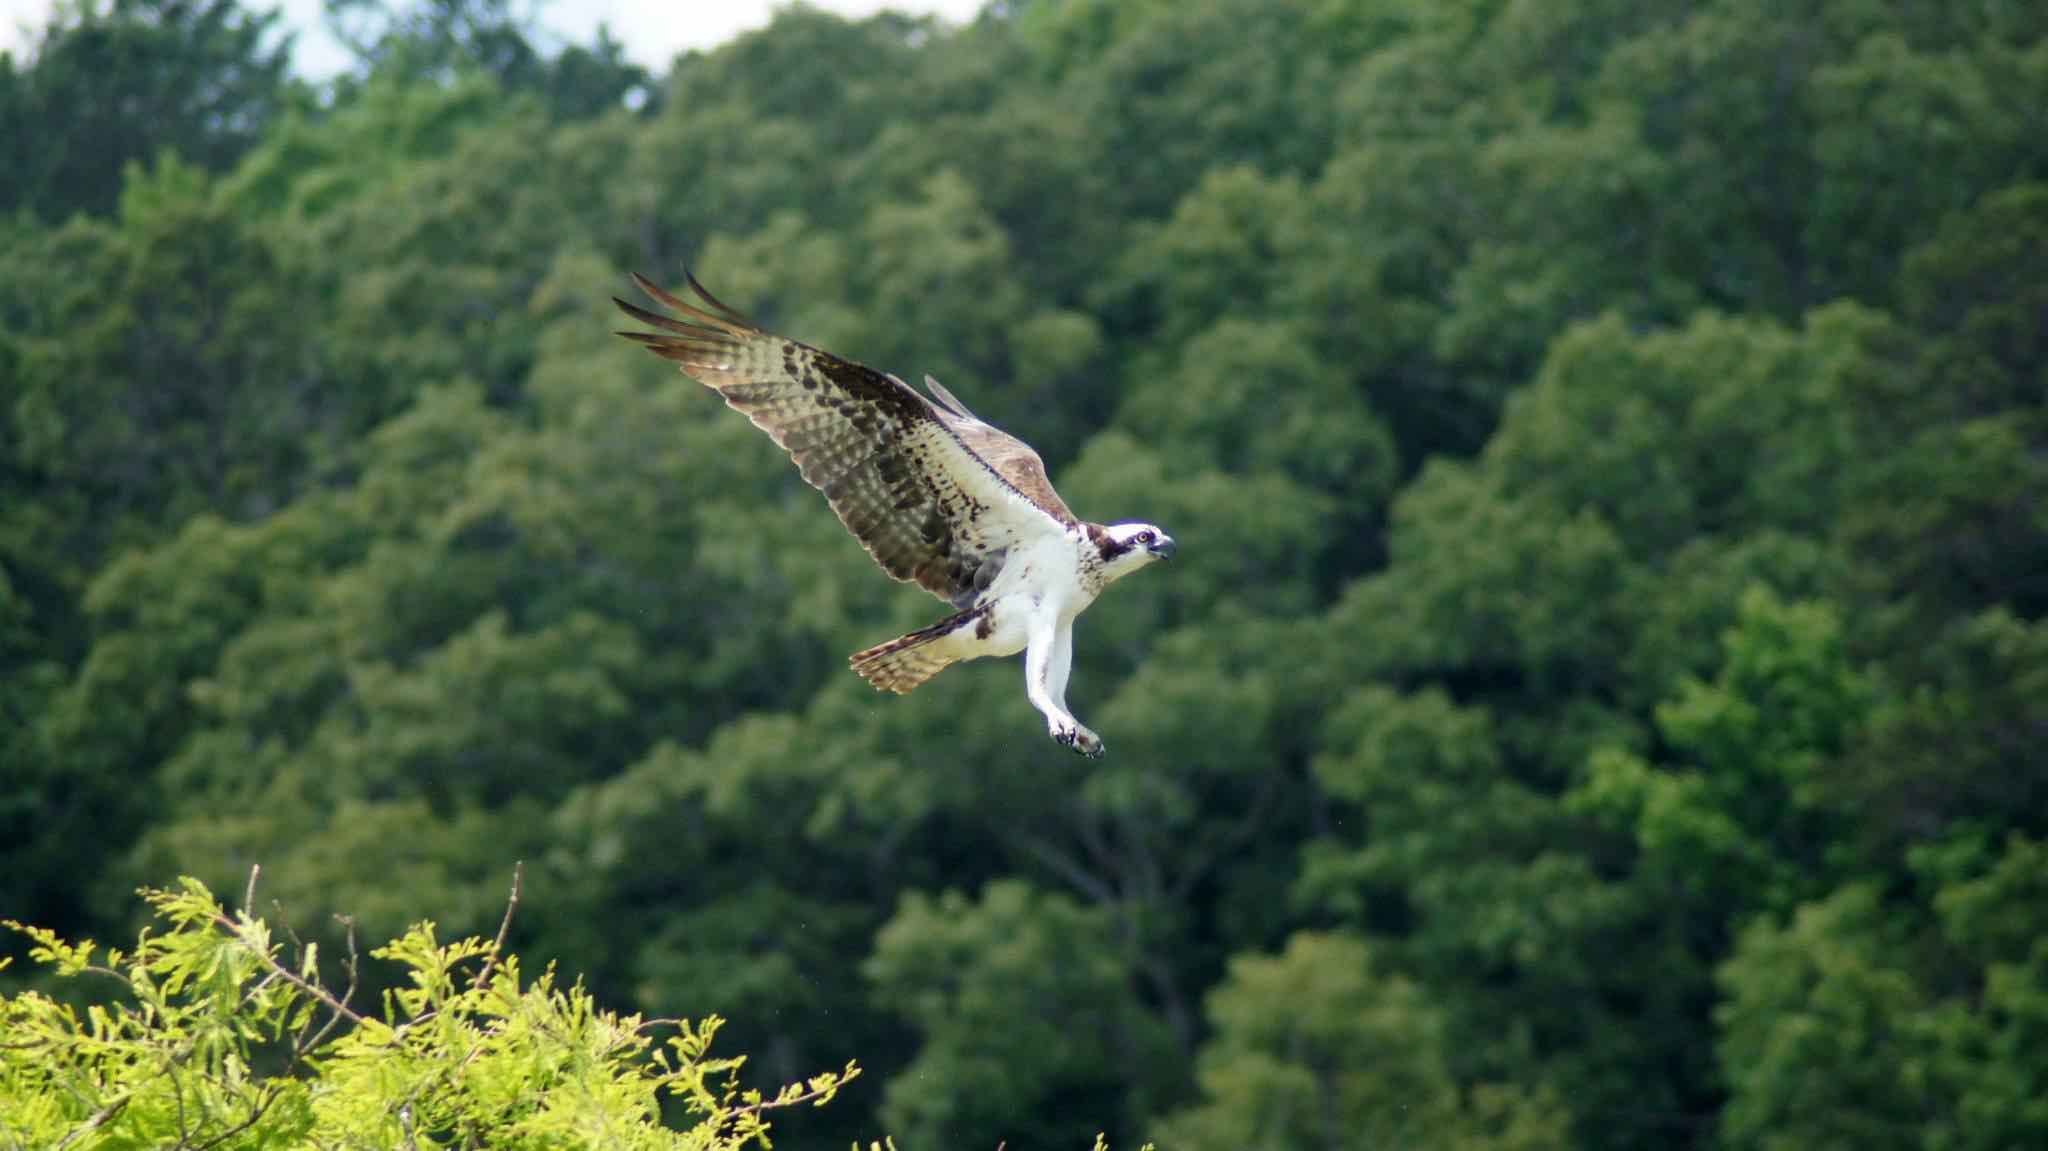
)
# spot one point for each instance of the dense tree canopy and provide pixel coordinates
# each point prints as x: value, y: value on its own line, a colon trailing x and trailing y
x: 1600, y: 700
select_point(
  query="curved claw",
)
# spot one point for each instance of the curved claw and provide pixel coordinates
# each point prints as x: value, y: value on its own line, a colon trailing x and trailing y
x: 1083, y: 741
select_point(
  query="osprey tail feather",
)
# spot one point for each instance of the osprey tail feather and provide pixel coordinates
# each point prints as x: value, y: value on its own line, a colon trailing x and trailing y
x: 908, y: 660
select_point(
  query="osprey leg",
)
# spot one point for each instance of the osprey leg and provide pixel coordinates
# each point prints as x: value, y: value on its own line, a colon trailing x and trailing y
x: 1047, y: 660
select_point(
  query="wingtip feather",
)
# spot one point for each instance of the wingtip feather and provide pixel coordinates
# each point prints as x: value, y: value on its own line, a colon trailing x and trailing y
x: 717, y: 305
x: 671, y: 324
x: 714, y: 313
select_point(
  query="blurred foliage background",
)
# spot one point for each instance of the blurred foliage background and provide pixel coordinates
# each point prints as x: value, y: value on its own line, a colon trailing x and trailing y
x: 1602, y: 700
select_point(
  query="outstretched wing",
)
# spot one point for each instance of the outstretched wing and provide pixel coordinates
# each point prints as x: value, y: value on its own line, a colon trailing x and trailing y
x: 1011, y: 457
x: 902, y: 479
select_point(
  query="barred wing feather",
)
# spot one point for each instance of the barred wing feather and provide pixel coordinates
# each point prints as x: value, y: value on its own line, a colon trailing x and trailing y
x: 899, y: 471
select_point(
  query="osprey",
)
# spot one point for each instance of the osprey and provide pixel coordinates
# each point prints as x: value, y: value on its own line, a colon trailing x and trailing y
x: 937, y: 496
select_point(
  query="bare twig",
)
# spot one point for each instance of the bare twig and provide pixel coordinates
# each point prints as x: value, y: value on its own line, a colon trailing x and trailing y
x: 483, y: 975
x: 257, y: 988
x: 313, y: 989
x: 353, y: 966
x: 307, y: 1039
x: 283, y: 919
x: 249, y: 893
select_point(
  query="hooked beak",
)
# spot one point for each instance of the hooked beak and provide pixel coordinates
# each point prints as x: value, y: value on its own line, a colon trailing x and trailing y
x: 1163, y: 547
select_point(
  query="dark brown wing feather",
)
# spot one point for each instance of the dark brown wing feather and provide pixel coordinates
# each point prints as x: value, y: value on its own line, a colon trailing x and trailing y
x: 1011, y: 457
x: 1014, y: 460
x: 908, y: 484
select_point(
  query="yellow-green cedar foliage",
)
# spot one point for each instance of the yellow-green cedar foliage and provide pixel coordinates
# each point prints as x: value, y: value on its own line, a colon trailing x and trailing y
x: 217, y: 1034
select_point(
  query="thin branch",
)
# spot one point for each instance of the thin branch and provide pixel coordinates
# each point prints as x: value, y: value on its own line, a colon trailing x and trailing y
x: 794, y: 1100
x: 268, y: 1097
x: 1068, y: 868
x: 249, y: 894
x: 110, y: 973
x: 1090, y: 836
x: 258, y: 988
x: 483, y: 975
x: 99, y: 1119
x: 307, y: 1039
x: 405, y: 1124
x: 1132, y: 832
x: 178, y: 1094
x: 312, y: 989
x: 1167, y: 985
x: 1243, y: 832
x: 353, y: 967
x: 283, y: 919
x: 300, y: 1045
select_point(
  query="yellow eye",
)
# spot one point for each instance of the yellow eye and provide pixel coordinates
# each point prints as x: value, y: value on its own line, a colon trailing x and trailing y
x: 1144, y: 537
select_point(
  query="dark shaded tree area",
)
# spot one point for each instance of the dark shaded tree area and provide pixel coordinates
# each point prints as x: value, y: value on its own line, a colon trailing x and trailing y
x: 1601, y: 700
x: 111, y: 82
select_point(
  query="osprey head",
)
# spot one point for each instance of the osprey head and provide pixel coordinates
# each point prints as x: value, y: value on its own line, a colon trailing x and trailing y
x: 1127, y: 547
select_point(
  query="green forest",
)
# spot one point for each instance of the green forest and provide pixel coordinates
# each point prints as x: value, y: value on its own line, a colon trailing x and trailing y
x: 1601, y: 699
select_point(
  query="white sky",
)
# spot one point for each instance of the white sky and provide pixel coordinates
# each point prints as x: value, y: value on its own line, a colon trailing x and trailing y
x: 653, y: 31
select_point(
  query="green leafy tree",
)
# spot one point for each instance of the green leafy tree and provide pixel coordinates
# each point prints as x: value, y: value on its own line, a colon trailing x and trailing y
x: 1990, y: 908
x: 1949, y: 515
x: 436, y: 39
x: 227, y: 1036
x: 1749, y: 819
x: 1314, y: 1047
x: 439, y: 42
x: 1021, y: 995
x: 109, y: 83
x: 1822, y: 995
x: 1193, y: 86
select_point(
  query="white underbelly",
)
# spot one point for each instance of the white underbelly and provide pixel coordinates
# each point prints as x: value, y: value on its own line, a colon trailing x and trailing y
x: 1009, y: 627
x: 1035, y: 589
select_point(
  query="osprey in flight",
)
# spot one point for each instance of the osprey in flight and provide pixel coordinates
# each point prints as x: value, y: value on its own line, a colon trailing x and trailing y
x: 935, y: 495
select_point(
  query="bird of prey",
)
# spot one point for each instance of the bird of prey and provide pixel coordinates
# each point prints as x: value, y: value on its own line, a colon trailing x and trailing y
x: 937, y: 496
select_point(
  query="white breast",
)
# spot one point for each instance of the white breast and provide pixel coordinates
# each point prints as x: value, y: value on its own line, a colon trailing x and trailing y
x: 1045, y: 572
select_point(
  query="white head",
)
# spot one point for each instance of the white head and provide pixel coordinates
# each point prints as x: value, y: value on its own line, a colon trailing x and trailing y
x: 1127, y: 547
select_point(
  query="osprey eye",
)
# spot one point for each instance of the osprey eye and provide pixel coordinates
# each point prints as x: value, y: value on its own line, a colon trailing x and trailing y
x: 1144, y: 537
